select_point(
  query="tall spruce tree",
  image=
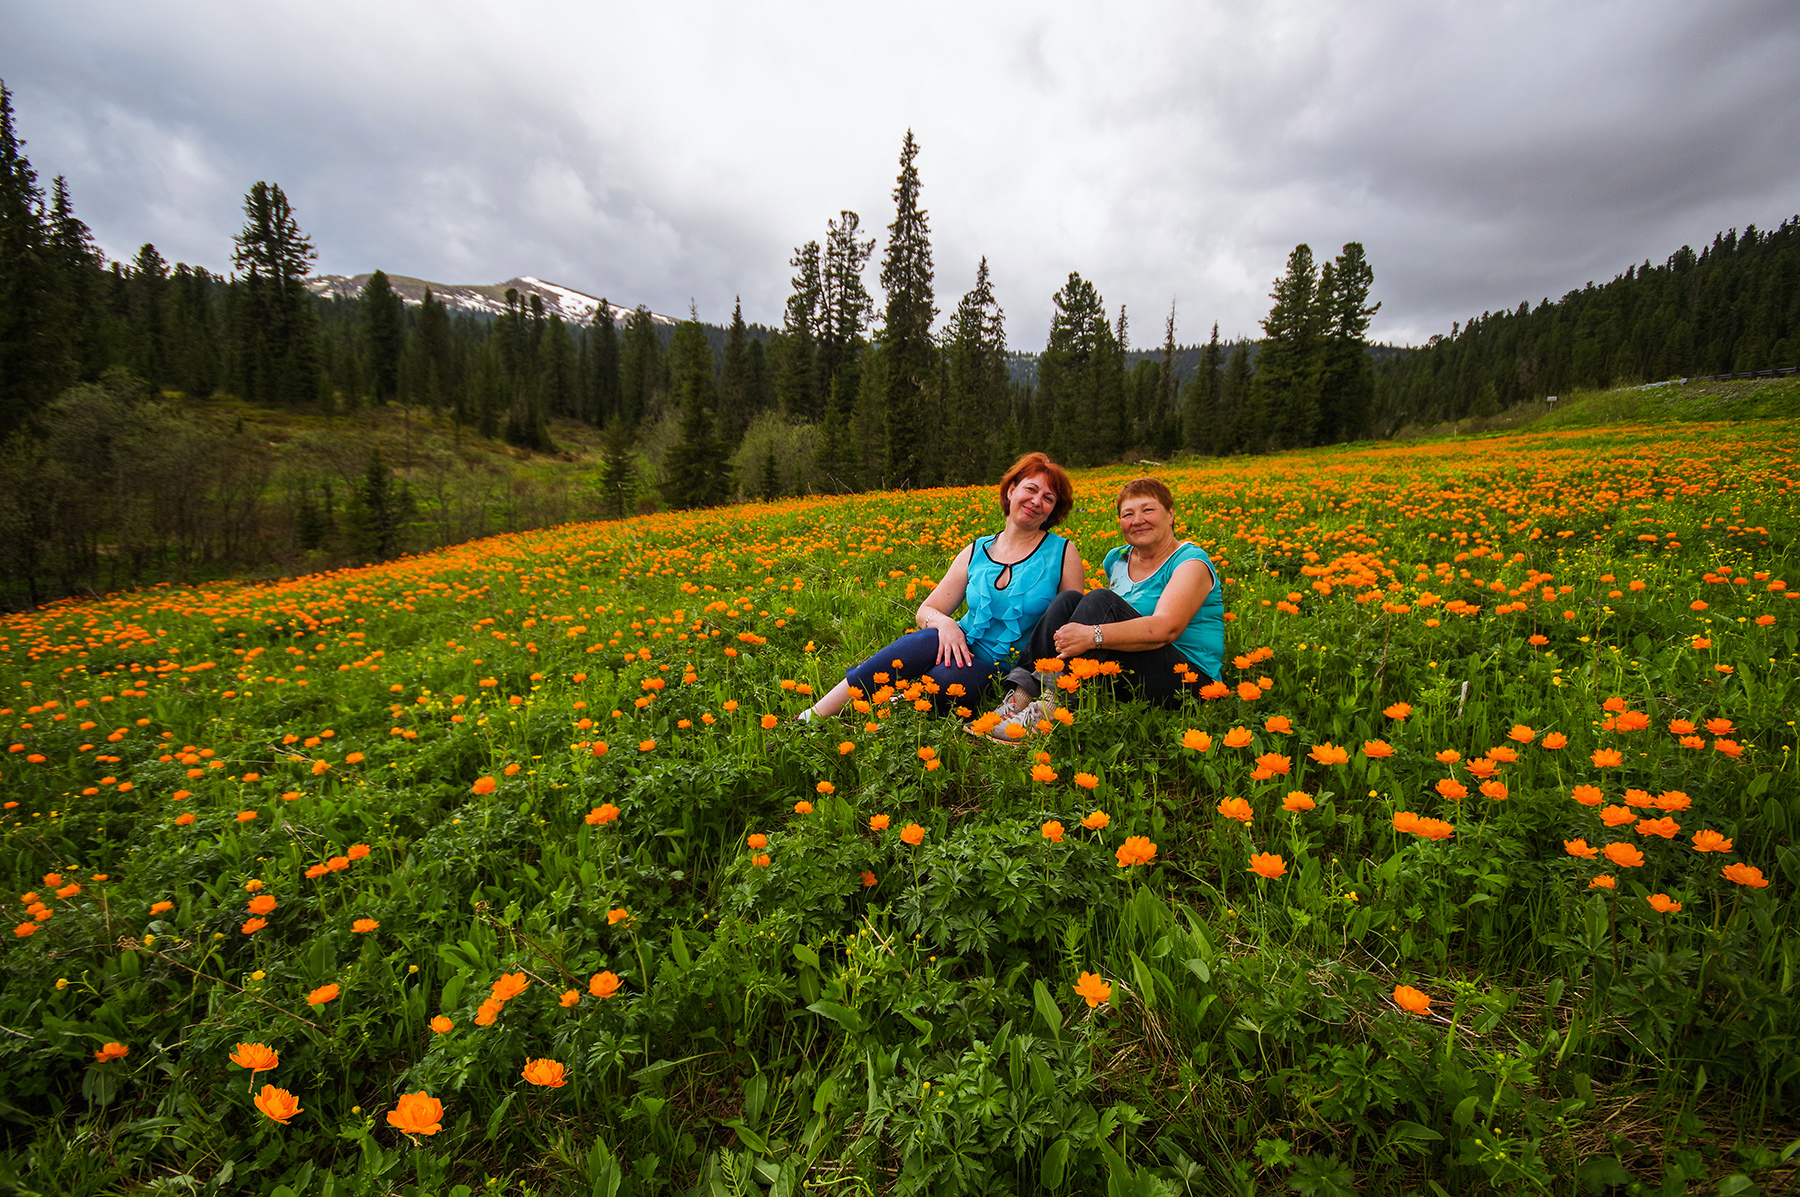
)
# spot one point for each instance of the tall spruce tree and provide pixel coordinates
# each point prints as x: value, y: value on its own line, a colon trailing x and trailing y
x: 34, y: 359
x: 695, y: 469
x: 1071, y: 396
x: 277, y: 335
x: 734, y: 382
x: 975, y: 383
x: 1162, y: 433
x: 1285, y: 394
x: 908, y: 350
x: 602, y: 378
x: 1200, y: 406
x: 434, y: 351
x: 1237, y: 432
x: 844, y: 303
x: 1346, y: 376
x: 382, y: 336
x: 797, y: 384
x: 643, y: 375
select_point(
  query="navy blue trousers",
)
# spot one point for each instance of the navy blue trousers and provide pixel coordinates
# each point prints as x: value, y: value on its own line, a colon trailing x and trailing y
x: 916, y: 653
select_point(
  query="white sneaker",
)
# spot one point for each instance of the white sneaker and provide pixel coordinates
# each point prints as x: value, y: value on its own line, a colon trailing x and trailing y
x: 1025, y: 719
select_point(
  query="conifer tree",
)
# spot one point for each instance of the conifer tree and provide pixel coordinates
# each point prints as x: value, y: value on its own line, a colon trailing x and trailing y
x: 643, y: 376
x: 797, y: 384
x: 434, y: 350
x: 975, y: 382
x: 382, y: 340
x: 1200, y: 406
x: 909, y: 353
x: 1346, y: 376
x: 147, y: 315
x: 1067, y: 388
x: 1236, y: 431
x: 619, y: 481
x: 77, y: 264
x: 602, y: 377
x: 277, y: 338
x: 34, y: 364
x: 844, y: 303
x: 1285, y: 393
x: 695, y: 469
x: 1163, y: 431
x: 734, y: 382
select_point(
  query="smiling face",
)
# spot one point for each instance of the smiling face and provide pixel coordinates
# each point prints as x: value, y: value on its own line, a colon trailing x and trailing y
x: 1030, y: 501
x: 1145, y: 523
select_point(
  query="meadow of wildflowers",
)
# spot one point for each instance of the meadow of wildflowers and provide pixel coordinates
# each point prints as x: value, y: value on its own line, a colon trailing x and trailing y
x: 506, y: 868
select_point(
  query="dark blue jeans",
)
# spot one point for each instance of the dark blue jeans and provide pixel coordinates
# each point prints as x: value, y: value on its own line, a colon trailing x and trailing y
x: 1148, y: 674
x: 916, y: 653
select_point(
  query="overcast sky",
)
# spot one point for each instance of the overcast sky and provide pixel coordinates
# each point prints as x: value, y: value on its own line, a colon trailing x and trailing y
x: 662, y: 152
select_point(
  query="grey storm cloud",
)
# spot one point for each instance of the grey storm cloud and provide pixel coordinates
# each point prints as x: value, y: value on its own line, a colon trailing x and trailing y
x: 1171, y: 153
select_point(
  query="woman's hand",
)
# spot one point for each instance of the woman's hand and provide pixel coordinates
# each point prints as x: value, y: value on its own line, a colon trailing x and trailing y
x: 1074, y: 639
x: 953, y: 646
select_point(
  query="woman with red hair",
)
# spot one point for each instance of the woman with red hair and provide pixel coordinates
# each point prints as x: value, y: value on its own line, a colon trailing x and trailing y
x: 1008, y: 581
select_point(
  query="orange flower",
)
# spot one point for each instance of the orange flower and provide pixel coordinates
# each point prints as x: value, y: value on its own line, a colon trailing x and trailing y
x: 1136, y: 850
x: 1086, y: 781
x: 1449, y: 756
x: 1272, y: 764
x: 1521, y: 733
x: 846, y: 748
x: 1406, y: 821
x: 364, y: 926
x: 769, y: 721
x: 1096, y: 820
x: 603, y: 985
x: 1452, y: 789
x: 868, y: 879
x: 483, y: 785
x: 1744, y: 874
x: 1327, y: 754
x: 1665, y: 827
x: 1236, y: 808
x: 878, y: 822
x: 262, y: 904
x: 1249, y: 691
x: 606, y: 812
x: 159, y: 907
x: 441, y: 1025
x: 1043, y: 773
x: 1681, y: 727
x: 1673, y: 800
x: 1377, y: 749
x: 1730, y: 748
x: 1580, y: 848
x: 1720, y: 727
x: 757, y: 840
x: 357, y: 851
x: 1603, y: 882
x: 1399, y: 711
x: 1278, y: 724
x: 1624, y: 855
x: 278, y: 1104
x: 1196, y: 740
x: 510, y: 986
x: 1237, y: 737
x: 1092, y: 989
x: 547, y: 1073
x: 1052, y: 831
x: 323, y: 994
x: 647, y: 746
x: 112, y: 1051
x: 1296, y: 802
x: 1607, y: 758
x: 1710, y: 841
x: 1495, y: 790
x: 489, y: 1011
x: 1267, y: 864
x: 803, y: 807
x: 1587, y: 795
x: 417, y: 1114
x: 1482, y: 767
x: 1663, y: 904
x: 1555, y: 740
x: 1503, y: 754
x: 252, y: 926
x: 913, y: 834
x: 1411, y: 1000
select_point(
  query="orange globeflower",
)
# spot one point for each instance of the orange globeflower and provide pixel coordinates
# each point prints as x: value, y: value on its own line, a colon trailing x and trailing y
x: 323, y: 994
x: 364, y: 926
x: 1711, y: 841
x: 483, y: 785
x: 1555, y: 740
x: 647, y: 746
x: 489, y: 1011
x: 1720, y: 727
x: 112, y: 1051
x: 1096, y: 820
x: 603, y: 984
x: 1052, y: 831
x: 1136, y: 850
x: 441, y: 1025
x: 1272, y: 764
x: 1296, y: 802
x: 1249, y: 691
x: 1086, y: 781
x: 278, y: 1104
x: 262, y: 903
x: 1196, y: 740
x: 1580, y: 848
x: 1744, y: 874
x: 1681, y: 727
x: 1411, y: 1000
x: 510, y: 986
x: 1482, y: 767
x: 1495, y: 790
x: 1624, y: 855
x: 1521, y: 733
x: 357, y: 851
x: 769, y: 721
x: 878, y: 822
x: 868, y: 879
x: 1730, y: 748
x: 757, y: 840
x: 1673, y: 800
x: 1377, y: 749
x: 1603, y: 881
x: 825, y: 787
x: 1328, y: 754
x: 1607, y: 758
x: 846, y: 748
x: 252, y: 926
x: 605, y: 813
x: 1616, y: 816
x: 547, y: 1073
x: 1236, y: 808
x: 1278, y: 724
x: 803, y: 807
x: 1237, y: 737
x: 1665, y: 827
x: 417, y: 1114
x: 1663, y: 904
x: 1043, y: 773
x: 1449, y: 756
x: 1503, y: 754
x: 1587, y: 795
x: 1092, y: 989
x: 1399, y: 711
x: 1267, y: 864
x: 1433, y: 829
x: 913, y: 834
x: 1452, y: 789
x: 1406, y: 821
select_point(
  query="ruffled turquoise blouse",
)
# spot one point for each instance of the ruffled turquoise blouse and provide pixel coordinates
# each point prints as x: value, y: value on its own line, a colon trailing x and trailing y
x: 1000, y: 618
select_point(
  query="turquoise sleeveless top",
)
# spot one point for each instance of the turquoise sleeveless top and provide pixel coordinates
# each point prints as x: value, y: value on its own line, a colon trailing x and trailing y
x: 1202, y: 642
x: 1000, y: 620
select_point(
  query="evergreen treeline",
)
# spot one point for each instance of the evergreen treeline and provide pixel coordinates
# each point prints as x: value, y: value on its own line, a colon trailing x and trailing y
x: 1732, y: 307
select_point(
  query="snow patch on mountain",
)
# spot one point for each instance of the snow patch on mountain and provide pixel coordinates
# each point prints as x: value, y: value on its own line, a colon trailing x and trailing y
x: 574, y: 307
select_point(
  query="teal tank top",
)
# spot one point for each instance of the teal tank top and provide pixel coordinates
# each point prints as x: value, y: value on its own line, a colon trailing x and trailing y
x: 1202, y: 642
x: 1000, y: 620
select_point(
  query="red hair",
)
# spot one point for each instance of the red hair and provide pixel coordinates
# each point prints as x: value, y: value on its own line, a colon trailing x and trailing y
x: 1030, y: 466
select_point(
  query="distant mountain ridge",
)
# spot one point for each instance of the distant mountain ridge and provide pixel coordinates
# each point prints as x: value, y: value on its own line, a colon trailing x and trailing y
x: 575, y: 307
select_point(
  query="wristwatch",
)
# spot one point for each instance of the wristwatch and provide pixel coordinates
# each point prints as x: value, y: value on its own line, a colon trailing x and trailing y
x: 1098, y: 639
